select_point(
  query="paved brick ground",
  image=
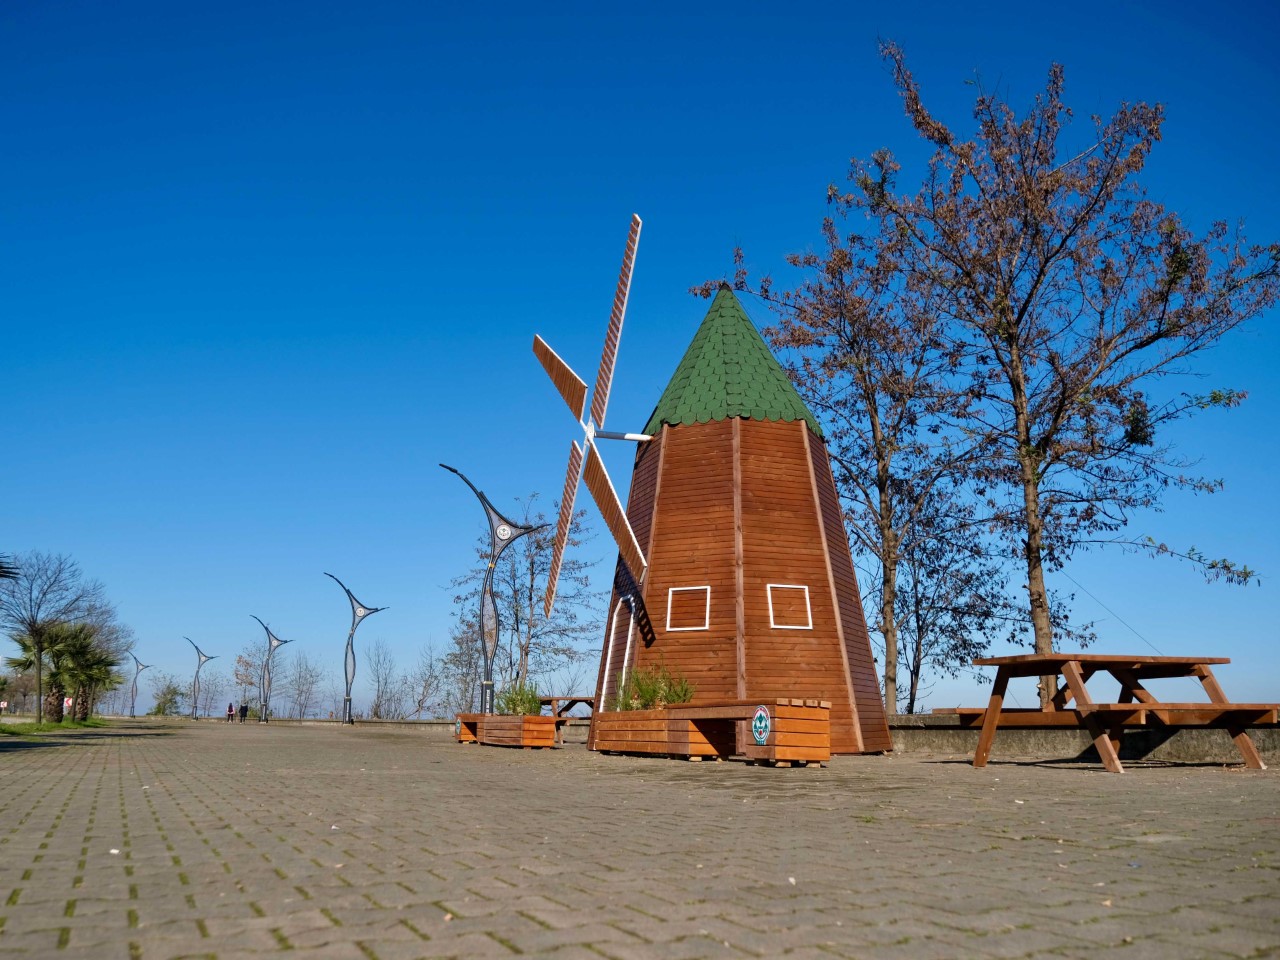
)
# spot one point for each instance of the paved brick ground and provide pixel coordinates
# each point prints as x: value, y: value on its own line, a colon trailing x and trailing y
x: 228, y: 841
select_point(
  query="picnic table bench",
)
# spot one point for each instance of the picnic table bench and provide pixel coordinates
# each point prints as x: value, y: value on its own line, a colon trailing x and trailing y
x: 1072, y: 706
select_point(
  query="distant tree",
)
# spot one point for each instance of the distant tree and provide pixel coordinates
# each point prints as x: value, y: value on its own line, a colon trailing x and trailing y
x: 426, y: 683
x: 87, y: 667
x: 247, y: 672
x: 72, y: 661
x: 48, y: 593
x: 213, y: 687
x: 22, y: 683
x: 462, y: 666
x: 389, y: 692
x: 530, y: 645
x: 1068, y: 295
x: 302, y: 679
x: 169, y: 694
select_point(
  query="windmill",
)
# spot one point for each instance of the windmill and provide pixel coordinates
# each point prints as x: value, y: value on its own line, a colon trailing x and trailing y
x: 502, y: 533
x: 358, y: 612
x: 203, y: 658
x: 264, y: 688
x: 584, y: 461
x: 138, y: 666
x: 734, y: 566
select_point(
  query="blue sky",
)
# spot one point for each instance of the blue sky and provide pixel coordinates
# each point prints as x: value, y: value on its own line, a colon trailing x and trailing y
x: 266, y: 264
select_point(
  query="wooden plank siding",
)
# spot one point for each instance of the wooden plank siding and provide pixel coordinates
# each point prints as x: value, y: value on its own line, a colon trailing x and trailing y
x: 736, y: 505
x: 872, y: 721
x: 783, y: 543
x: 640, y: 509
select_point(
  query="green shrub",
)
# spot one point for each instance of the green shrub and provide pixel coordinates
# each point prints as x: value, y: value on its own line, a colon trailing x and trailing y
x: 650, y: 688
x: 520, y: 699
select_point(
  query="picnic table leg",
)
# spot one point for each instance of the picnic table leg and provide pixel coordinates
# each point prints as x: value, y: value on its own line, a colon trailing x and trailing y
x: 1244, y: 743
x: 991, y: 718
x: 1101, y: 735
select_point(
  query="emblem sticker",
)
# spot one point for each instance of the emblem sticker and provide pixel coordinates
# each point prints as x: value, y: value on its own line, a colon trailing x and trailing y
x: 760, y: 725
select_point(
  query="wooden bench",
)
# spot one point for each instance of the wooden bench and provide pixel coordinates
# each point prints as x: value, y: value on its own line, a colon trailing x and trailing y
x: 1127, y: 714
x: 798, y: 731
x: 1071, y: 705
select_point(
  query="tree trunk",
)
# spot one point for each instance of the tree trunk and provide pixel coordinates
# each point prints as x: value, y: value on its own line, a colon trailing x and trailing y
x: 39, y: 648
x: 53, y: 703
x: 1036, y: 592
x: 917, y: 663
x: 1029, y: 468
x: 888, y: 600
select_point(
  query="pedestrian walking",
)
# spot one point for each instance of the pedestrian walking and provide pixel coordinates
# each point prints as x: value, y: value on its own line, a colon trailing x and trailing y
x: 244, y: 711
x: 231, y: 712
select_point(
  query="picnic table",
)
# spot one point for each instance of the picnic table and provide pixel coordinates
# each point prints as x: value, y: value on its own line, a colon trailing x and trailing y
x: 1072, y: 705
x: 560, y: 706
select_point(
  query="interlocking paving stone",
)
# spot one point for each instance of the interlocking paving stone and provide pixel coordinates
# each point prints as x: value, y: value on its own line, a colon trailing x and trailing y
x: 153, y: 840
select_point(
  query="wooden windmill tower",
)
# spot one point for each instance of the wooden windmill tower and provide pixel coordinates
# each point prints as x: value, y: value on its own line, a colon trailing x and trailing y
x: 734, y: 567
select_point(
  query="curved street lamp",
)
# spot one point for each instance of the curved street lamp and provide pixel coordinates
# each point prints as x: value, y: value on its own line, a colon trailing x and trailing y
x: 139, y: 666
x: 264, y: 688
x: 358, y: 612
x: 502, y: 533
x: 195, y: 681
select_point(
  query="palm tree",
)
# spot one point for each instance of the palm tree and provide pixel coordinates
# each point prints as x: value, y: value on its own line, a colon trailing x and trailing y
x: 73, y: 660
x: 85, y: 667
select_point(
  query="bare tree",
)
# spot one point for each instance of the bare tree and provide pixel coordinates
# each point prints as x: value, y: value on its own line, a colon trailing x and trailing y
x: 530, y: 645
x: 302, y: 679
x: 426, y: 683
x: 248, y: 668
x: 389, y: 691
x: 213, y: 687
x: 462, y: 666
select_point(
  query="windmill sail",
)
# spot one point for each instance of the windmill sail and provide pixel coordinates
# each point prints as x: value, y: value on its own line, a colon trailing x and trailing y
x: 613, y: 336
x: 615, y: 519
x: 572, y: 475
x: 573, y: 389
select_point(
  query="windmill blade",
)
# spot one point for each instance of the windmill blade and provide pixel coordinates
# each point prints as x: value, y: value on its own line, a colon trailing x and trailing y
x: 615, y: 518
x: 572, y: 387
x: 604, y: 379
x: 571, y: 477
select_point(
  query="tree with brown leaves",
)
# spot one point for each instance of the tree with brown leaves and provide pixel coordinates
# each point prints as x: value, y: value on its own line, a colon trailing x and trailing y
x: 1067, y: 296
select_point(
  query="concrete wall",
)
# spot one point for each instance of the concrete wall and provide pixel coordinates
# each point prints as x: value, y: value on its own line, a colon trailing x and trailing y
x: 941, y: 736
x: 925, y: 734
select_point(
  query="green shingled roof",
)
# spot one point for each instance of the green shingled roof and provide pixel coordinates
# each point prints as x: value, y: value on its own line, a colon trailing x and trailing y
x: 728, y: 371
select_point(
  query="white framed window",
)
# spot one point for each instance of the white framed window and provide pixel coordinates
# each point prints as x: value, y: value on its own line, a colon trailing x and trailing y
x: 689, y: 608
x: 789, y: 607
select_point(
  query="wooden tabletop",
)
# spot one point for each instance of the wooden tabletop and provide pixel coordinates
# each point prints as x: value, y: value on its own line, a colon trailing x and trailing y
x: 1100, y: 659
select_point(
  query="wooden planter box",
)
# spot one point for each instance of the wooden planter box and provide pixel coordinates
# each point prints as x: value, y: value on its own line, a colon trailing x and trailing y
x: 498, y: 730
x: 800, y: 730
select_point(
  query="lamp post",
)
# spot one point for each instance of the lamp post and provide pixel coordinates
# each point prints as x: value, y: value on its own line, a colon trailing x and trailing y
x: 502, y: 533
x: 139, y: 666
x: 358, y: 612
x: 264, y: 688
x: 203, y: 658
